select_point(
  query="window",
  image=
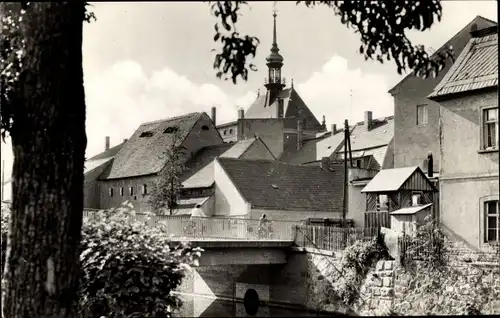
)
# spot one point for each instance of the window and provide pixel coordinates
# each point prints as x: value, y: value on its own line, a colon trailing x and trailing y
x: 146, y: 134
x: 121, y: 191
x: 416, y: 199
x: 144, y: 189
x: 170, y: 130
x: 131, y: 190
x: 204, y: 127
x: 491, y: 221
x: 357, y: 163
x: 421, y: 114
x: 225, y: 132
x: 110, y: 192
x: 231, y: 131
x: 382, y: 202
x: 490, y: 128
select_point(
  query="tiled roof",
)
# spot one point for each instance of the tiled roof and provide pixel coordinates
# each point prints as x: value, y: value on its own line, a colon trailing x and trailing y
x: 475, y: 68
x: 110, y: 153
x: 380, y: 134
x: 145, y: 155
x: 313, y: 149
x: 456, y: 41
x: 201, y: 168
x: 92, y: 164
x: 389, y: 179
x: 293, y: 105
x: 280, y: 186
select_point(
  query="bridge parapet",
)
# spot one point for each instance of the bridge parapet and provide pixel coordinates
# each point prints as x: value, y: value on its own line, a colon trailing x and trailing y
x: 220, y: 228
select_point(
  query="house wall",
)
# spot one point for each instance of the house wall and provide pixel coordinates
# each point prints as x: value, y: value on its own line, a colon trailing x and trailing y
x: 199, y: 138
x: 229, y: 133
x: 91, y: 187
x: 298, y: 215
x: 462, y: 206
x: 269, y: 130
x: 228, y: 200
x: 258, y: 151
x: 139, y: 201
x: 356, y: 205
x: 412, y: 142
x: 461, y: 131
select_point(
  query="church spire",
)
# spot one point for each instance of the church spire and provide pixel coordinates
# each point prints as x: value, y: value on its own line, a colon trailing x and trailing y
x: 274, y: 82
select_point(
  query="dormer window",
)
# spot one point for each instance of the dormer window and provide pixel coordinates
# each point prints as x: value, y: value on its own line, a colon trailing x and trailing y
x: 204, y: 127
x: 171, y: 130
x: 146, y: 134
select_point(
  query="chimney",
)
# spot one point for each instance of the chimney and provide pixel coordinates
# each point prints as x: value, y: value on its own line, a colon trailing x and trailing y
x: 125, y: 140
x: 214, y: 115
x: 106, y: 143
x: 430, y: 165
x: 241, y: 113
x: 324, y: 162
x: 280, y: 108
x: 473, y: 28
x: 334, y: 129
x: 368, y: 119
x: 299, y: 134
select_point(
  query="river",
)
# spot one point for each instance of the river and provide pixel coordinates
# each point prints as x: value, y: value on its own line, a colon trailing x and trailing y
x: 200, y: 306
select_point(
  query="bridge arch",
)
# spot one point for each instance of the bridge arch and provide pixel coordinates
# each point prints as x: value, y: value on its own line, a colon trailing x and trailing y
x: 251, y: 302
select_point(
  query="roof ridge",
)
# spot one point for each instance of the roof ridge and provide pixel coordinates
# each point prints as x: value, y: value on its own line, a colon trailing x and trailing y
x: 171, y: 118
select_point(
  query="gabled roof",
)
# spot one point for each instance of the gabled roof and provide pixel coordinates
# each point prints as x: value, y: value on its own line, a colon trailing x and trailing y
x: 313, y: 149
x: 279, y: 186
x: 380, y: 134
x: 293, y: 105
x: 143, y: 153
x: 201, y: 167
x: 476, y: 68
x: 479, y: 20
x: 389, y: 180
x: 102, y: 158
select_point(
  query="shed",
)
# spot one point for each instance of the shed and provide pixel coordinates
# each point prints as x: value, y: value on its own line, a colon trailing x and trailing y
x: 394, y: 189
x: 407, y: 219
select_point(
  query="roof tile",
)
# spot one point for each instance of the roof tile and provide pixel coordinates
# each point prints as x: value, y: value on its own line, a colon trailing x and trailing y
x: 279, y: 186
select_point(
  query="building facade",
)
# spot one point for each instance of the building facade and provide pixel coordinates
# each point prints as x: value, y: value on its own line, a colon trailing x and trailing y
x: 469, y: 171
x: 416, y: 129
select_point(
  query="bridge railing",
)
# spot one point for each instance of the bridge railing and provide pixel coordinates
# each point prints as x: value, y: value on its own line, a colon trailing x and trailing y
x: 215, y: 227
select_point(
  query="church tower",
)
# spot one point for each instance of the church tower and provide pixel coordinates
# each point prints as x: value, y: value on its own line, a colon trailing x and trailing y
x: 274, y: 82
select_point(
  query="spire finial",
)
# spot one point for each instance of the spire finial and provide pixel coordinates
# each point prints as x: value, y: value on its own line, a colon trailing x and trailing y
x: 275, y: 43
x: 292, y: 83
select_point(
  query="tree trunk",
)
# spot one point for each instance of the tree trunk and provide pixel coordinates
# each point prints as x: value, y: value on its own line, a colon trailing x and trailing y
x: 49, y: 141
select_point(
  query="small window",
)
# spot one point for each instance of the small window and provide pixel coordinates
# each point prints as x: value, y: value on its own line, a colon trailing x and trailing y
x: 171, y: 130
x: 204, y: 127
x: 144, y: 189
x: 382, y: 202
x: 110, y: 192
x: 231, y: 131
x: 131, y: 190
x: 225, y: 132
x: 490, y: 128
x: 421, y: 114
x: 492, y: 222
x: 146, y: 134
x: 357, y: 163
x: 121, y: 191
x: 416, y: 199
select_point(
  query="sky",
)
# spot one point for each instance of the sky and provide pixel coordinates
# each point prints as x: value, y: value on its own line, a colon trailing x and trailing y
x: 147, y: 61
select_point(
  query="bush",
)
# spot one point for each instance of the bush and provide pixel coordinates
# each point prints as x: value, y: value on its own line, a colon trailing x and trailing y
x: 356, y: 262
x: 128, y: 269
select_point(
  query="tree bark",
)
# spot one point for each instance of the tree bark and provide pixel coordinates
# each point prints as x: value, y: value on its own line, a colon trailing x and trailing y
x: 49, y: 141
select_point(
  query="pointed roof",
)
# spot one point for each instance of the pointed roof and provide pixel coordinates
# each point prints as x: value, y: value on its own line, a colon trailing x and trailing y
x: 275, y: 57
x: 143, y: 153
x: 476, y: 68
x: 480, y: 21
x: 293, y: 107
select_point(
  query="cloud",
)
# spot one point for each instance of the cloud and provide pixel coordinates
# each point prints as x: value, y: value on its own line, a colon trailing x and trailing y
x: 123, y: 96
x: 328, y: 92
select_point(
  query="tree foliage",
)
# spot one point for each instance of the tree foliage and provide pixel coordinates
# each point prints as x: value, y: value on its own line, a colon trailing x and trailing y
x: 129, y: 268
x: 382, y: 26
x: 168, y: 186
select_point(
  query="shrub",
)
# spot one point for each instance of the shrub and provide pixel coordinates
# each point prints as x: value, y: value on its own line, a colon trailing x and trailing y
x: 129, y: 269
x: 357, y: 260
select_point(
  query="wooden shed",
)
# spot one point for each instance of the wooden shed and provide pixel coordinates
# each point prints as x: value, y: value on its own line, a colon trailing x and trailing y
x: 394, y: 189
